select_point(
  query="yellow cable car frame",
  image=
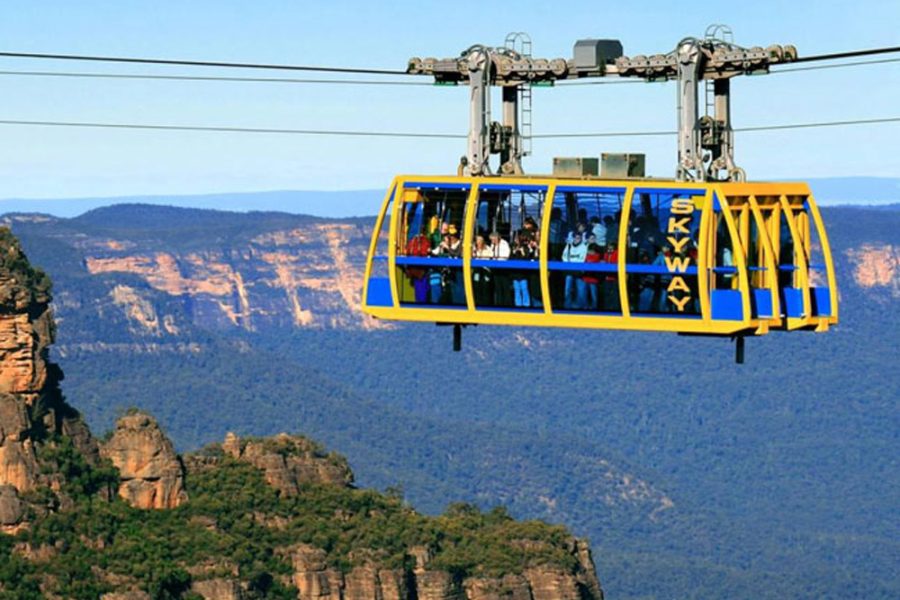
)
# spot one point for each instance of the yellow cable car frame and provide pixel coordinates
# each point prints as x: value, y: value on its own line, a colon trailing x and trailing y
x: 770, y: 290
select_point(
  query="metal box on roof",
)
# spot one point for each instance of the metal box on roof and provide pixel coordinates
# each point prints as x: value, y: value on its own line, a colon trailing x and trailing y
x: 592, y: 55
x: 621, y: 166
x: 575, y: 166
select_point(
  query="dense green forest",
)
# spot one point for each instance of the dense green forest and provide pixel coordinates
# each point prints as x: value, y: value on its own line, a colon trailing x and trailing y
x: 781, y: 473
x: 95, y: 546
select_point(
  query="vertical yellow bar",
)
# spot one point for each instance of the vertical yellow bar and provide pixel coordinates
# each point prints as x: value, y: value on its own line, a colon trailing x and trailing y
x: 703, y: 238
x: 826, y: 253
x: 738, y: 258
x: 467, y: 241
x: 801, y: 279
x: 622, y: 250
x: 392, y: 242
x: 744, y: 229
x: 373, y: 245
x: 545, y: 247
x: 764, y: 241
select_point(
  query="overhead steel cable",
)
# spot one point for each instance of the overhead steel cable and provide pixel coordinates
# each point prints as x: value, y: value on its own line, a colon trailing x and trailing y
x: 848, y: 54
x: 201, y: 63
x: 859, y: 63
x: 291, y: 80
x: 324, y: 69
x: 201, y: 128
x: 736, y: 129
x: 395, y: 134
x: 210, y: 78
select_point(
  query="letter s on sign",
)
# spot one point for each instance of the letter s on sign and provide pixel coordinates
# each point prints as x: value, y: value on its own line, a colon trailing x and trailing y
x: 682, y: 206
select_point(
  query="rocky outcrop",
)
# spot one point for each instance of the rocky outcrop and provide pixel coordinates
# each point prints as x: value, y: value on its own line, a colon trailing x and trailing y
x: 315, y: 579
x: 312, y: 577
x: 12, y: 511
x: 152, y: 475
x: 219, y: 589
x: 32, y: 409
x: 290, y: 461
x: 133, y: 595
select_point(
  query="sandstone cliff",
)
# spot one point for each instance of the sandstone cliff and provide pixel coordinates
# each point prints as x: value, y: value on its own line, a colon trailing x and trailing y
x: 315, y: 580
x: 152, y: 475
x: 877, y: 266
x: 33, y: 413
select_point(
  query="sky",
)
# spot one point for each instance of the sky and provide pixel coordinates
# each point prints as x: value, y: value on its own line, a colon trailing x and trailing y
x: 64, y: 163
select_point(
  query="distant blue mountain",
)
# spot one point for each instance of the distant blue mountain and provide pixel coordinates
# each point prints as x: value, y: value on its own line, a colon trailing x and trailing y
x: 353, y: 203
x: 357, y: 203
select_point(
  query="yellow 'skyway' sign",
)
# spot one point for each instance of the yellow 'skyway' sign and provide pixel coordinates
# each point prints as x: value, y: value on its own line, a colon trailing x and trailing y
x: 679, y: 235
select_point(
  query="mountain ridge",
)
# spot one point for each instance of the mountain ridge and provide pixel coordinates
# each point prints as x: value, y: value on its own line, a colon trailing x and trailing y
x: 859, y: 190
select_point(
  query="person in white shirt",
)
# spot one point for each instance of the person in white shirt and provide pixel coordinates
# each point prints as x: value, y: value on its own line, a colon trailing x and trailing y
x: 482, y: 278
x: 499, y: 247
x: 576, y: 291
x: 500, y: 250
x: 599, y: 231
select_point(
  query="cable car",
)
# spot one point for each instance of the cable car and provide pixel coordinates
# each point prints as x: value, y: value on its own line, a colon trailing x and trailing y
x: 704, y: 254
x: 706, y: 258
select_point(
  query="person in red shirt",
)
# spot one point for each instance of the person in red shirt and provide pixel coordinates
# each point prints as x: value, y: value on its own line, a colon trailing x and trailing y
x: 592, y: 278
x: 420, y: 246
x: 610, y: 282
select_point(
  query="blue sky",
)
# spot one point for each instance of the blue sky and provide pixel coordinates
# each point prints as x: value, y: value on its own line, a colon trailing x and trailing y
x: 47, y: 163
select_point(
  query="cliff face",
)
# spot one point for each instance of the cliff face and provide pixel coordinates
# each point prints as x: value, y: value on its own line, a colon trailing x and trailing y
x: 877, y: 266
x: 33, y: 413
x: 308, y: 276
x: 314, y: 580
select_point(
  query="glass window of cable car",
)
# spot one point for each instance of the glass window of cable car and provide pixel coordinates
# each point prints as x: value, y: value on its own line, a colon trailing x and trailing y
x: 805, y: 250
x: 506, y: 247
x: 661, y: 252
x: 723, y: 269
x: 378, y: 288
x: 815, y: 256
x: 754, y: 250
x: 786, y: 257
x: 429, y: 245
x: 583, y: 235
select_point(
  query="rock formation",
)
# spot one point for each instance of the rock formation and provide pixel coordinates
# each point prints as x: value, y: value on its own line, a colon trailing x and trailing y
x: 152, y: 475
x: 219, y: 589
x: 290, y: 461
x: 33, y: 412
x: 316, y: 580
x: 12, y: 511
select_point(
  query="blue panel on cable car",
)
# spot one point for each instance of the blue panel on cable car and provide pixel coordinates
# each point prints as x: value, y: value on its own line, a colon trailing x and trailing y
x: 726, y: 305
x: 792, y: 302
x: 379, y: 292
x: 761, y: 303
x: 821, y: 301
